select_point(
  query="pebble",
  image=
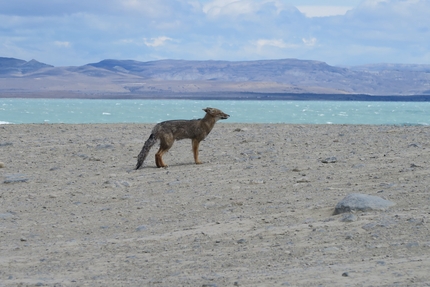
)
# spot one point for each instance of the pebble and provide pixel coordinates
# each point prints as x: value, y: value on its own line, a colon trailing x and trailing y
x: 117, y: 183
x: 141, y: 228
x: 13, y: 178
x: 412, y: 244
x: 330, y: 250
x: 381, y: 223
x: 104, y: 146
x: 6, y: 215
x: 82, y: 155
x: 332, y: 159
x: 349, y: 218
x: 414, y: 145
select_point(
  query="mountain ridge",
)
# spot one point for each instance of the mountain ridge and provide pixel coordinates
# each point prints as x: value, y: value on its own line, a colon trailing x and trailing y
x: 111, y: 78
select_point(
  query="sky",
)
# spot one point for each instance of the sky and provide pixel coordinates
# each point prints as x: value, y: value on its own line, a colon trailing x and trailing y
x: 338, y: 32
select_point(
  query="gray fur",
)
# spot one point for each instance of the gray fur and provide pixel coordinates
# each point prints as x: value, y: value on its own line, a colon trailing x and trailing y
x: 150, y: 142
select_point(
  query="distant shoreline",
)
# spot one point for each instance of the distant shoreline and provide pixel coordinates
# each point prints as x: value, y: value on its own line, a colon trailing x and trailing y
x: 222, y: 96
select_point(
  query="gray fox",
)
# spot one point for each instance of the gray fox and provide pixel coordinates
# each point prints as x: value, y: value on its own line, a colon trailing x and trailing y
x: 169, y: 131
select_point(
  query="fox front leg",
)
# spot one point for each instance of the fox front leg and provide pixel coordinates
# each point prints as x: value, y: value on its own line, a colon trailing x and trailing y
x: 196, y: 144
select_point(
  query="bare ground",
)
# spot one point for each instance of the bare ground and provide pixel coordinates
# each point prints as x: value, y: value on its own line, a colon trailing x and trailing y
x: 258, y: 212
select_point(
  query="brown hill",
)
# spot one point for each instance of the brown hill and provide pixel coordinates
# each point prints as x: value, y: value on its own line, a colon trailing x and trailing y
x: 180, y: 78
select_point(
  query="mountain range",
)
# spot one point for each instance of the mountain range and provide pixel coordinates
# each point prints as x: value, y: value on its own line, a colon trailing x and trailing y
x: 272, y: 79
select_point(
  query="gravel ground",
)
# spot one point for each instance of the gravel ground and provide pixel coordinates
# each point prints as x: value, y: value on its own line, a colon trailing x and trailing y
x: 258, y: 212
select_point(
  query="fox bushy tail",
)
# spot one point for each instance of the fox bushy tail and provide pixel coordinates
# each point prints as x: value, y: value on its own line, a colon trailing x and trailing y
x: 152, y: 140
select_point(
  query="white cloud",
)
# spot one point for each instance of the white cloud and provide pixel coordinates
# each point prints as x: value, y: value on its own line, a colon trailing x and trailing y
x: 149, y: 8
x: 277, y: 43
x: 156, y: 42
x: 229, y: 7
x: 125, y: 41
x: 62, y: 44
x: 235, y: 8
x: 323, y: 11
x: 309, y: 42
x: 373, y: 3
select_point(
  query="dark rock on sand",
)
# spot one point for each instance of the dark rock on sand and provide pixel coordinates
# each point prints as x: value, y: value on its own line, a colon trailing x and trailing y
x: 362, y: 202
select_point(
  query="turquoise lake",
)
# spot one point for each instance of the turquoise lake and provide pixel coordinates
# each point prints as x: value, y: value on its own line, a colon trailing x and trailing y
x: 19, y: 111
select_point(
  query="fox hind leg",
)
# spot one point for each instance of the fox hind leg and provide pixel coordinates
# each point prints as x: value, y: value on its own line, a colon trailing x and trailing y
x: 159, y: 158
x: 196, y: 144
x: 165, y: 145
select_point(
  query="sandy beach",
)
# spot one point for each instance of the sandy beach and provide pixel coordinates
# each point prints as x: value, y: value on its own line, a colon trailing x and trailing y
x: 259, y: 211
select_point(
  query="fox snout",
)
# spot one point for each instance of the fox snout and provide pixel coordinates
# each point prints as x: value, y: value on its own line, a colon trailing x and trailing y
x: 224, y: 116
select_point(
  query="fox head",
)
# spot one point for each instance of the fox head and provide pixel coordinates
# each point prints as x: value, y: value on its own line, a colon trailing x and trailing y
x: 218, y: 114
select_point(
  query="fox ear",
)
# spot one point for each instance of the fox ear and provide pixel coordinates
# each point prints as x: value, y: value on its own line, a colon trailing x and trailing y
x: 207, y: 110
